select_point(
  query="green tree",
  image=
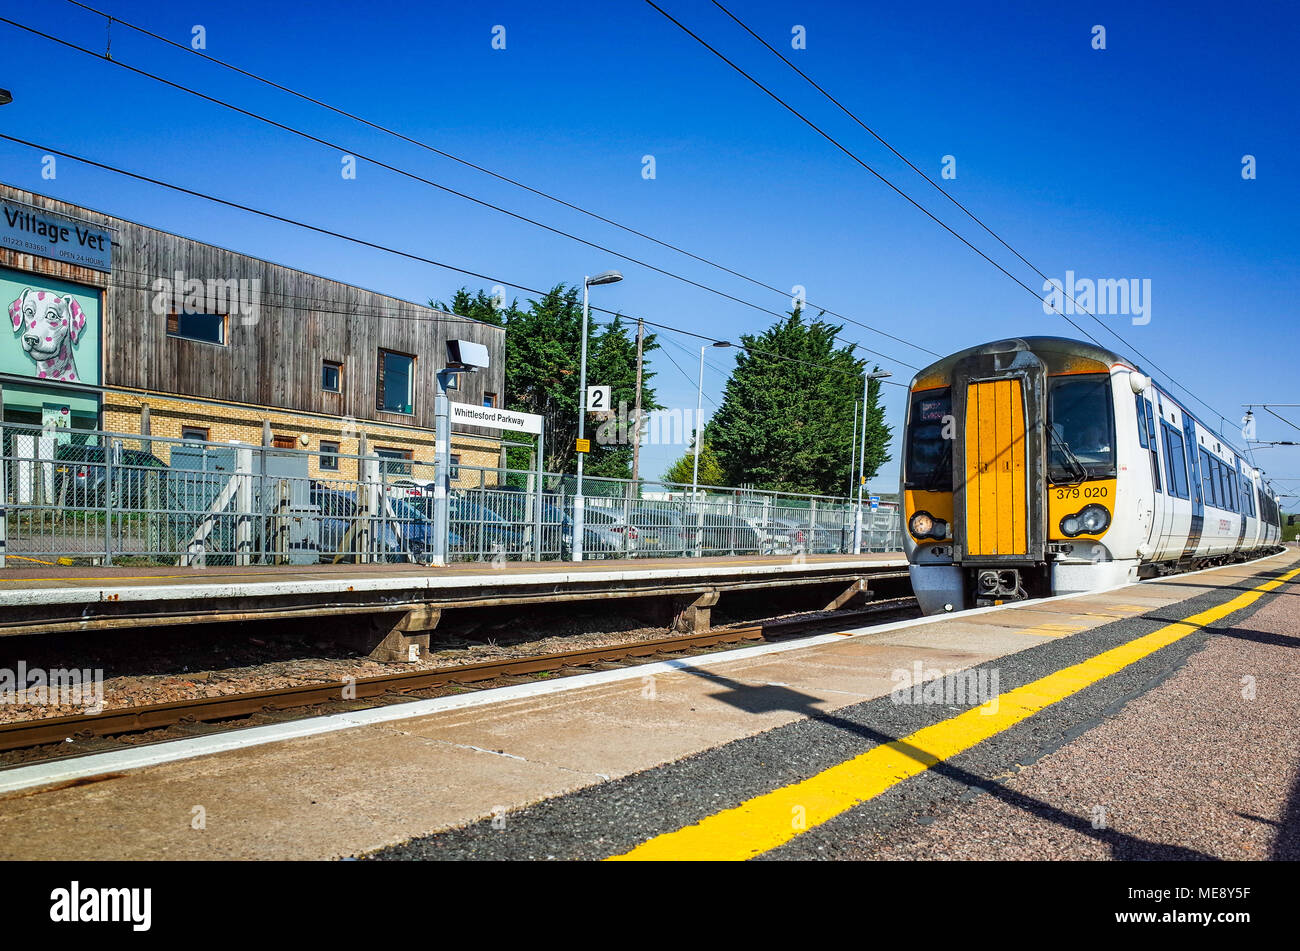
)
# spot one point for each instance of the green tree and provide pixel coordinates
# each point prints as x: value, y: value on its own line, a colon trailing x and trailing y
x: 786, y: 420
x: 683, y: 469
x: 543, y: 351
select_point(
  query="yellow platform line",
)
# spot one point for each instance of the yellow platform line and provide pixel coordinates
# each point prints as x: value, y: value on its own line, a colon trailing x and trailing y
x: 772, y: 819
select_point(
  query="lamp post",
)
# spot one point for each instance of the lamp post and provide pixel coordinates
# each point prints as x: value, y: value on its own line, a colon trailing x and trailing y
x: 6, y: 97
x: 606, y: 277
x: 862, y: 456
x: 699, y: 434
x: 699, y: 413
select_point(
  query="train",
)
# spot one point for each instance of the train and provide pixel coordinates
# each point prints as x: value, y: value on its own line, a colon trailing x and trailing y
x: 1042, y: 466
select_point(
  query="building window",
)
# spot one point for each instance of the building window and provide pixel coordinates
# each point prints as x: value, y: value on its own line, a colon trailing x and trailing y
x: 396, y: 461
x: 396, y: 384
x: 490, y: 399
x: 283, y: 442
x: 205, y: 328
x: 195, y: 433
x: 329, y: 456
x: 331, y: 376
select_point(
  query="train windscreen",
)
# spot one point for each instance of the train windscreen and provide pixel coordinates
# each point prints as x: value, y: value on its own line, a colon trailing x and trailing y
x: 929, y: 447
x: 1081, y: 443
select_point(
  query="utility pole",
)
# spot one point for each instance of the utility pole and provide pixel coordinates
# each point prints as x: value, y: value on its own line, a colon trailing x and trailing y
x: 636, y: 414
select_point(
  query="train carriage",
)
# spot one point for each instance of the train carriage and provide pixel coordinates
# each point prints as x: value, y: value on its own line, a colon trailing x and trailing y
x: 1042, y: 465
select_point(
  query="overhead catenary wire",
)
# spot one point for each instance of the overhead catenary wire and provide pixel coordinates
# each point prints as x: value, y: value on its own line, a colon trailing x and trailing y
x: 379, y: 127
x: 1058, y: 311
x: 379, y: 163
x: 948, y: 195
x: 344, y: 237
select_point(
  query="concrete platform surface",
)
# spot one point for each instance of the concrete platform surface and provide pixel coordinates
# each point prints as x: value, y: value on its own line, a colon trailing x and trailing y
x: 289, y: 577
x: 355, y: 790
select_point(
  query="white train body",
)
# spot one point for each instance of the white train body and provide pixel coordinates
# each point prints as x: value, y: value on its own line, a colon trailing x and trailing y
x: 1042, y: 465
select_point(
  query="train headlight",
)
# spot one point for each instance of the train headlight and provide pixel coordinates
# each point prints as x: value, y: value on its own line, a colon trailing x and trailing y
x: 925, y: 525
x: 1092, y: 519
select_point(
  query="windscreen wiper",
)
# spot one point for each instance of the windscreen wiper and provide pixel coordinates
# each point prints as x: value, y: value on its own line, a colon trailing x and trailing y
x: 1070, y: 457
x: 932, y: 483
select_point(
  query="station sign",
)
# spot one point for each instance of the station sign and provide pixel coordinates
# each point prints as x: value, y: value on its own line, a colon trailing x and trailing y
x: 492, y: 418
x: 33, y: 231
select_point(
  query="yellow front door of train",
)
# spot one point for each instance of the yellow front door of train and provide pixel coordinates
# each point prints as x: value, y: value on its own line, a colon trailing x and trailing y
x: 995, y: 478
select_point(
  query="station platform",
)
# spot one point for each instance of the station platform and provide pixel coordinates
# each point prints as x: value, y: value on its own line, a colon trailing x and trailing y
x: 1097, y: 725
x: 42, y: 600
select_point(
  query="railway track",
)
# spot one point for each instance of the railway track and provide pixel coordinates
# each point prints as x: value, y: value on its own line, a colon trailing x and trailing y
x: 73, y: 734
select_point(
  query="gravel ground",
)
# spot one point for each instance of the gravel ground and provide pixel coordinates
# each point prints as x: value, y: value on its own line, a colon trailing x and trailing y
x: 242, y: 664
x: 613, y: 817
x: 1192, y: 767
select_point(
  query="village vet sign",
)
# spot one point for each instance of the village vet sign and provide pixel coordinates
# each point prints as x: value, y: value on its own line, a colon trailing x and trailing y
x: 30, y: 231
x: 494, y: 418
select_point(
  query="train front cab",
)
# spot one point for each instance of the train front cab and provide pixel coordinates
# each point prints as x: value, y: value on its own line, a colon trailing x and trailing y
x: 1001, y: 506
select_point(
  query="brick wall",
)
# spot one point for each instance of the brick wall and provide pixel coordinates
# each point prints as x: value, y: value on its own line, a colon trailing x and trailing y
x: 235, y: 422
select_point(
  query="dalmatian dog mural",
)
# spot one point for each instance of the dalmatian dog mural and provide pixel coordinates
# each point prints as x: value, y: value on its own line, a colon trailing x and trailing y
x: 49, y: 326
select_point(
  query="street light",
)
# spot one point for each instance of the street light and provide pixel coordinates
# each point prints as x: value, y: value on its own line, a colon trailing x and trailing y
x: 862, y: 456
x: 699, y: 435
x: 6, y: 97
x: 605, y: 277
x: 699, y: 413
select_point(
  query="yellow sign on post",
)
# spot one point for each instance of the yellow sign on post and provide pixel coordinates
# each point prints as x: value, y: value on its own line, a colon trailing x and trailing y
x: 584, y: 445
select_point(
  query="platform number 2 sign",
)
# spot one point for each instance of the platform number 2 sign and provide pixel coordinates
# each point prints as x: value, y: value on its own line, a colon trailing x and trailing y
x: 598, y: 399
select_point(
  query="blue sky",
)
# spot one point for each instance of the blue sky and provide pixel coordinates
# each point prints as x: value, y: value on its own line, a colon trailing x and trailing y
x: 1120, y: 163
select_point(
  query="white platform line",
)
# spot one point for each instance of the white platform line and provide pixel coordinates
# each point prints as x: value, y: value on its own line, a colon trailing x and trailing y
x: 200, y: 589
x: 114, y: 761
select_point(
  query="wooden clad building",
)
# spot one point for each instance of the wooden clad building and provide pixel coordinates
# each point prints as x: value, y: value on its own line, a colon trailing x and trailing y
x: 110, y: 317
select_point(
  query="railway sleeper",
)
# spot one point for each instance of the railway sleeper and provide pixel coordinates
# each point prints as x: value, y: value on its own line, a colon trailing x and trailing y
x: 404, y: 641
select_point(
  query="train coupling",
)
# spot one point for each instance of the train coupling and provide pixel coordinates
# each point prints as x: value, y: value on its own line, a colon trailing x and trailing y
x: 996, y: 585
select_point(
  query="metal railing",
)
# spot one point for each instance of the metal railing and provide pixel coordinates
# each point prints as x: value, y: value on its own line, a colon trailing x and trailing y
x: 90, y: 497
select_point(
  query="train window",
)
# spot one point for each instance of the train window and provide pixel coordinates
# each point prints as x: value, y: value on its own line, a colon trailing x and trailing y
x: 1081, y: 419
x: 1175, y: 462
x: 1207, y: 479
x: 929, y: 453
x: 1147, y: 436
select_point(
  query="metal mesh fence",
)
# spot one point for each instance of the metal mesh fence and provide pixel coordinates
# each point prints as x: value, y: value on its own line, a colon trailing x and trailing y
x: 88, y: 497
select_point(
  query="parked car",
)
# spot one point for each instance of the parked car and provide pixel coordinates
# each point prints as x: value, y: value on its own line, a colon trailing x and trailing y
x: 81, y: 477
x: 782, y: 536
x: 512, y: 504
x: 606, y: 535
x: 477, y: 528
x: 725, y: 535
x: 339, y: 516
x: 660, y: 532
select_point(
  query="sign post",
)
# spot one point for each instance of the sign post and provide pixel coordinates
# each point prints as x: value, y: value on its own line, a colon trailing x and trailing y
x: 489, y: 417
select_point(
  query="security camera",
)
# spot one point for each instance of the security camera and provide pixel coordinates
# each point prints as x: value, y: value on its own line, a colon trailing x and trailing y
x: 466, y: 355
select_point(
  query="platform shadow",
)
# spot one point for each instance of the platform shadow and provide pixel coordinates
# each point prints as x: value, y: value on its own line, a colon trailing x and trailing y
x: 769, y: 698
x: 1286, y: 847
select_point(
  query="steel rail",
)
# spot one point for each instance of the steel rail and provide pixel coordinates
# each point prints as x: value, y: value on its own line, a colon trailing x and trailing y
x: 29, y: 733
